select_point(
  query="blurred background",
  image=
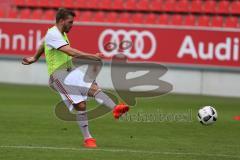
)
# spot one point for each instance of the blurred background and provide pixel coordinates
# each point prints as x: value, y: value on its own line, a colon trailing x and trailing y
x: 198, y: 40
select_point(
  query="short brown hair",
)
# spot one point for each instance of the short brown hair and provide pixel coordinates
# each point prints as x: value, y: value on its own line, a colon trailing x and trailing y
x: 63, y: 13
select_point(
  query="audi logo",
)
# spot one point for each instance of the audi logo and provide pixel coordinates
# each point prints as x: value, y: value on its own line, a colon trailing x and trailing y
x: 133, y: 43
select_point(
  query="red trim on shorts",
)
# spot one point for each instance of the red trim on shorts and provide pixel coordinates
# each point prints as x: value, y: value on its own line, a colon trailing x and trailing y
x: 62, y: 89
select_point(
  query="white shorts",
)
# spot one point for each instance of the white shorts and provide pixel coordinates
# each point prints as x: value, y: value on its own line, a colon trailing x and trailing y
x: 72, y: 86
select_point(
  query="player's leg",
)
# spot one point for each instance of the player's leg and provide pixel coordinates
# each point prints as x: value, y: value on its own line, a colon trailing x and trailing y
x: 102, y: 98
x: 74, y: 102
x: 82, y: 121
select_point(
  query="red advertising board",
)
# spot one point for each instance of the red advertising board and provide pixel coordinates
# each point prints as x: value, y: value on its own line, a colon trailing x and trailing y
x: 161, y: 44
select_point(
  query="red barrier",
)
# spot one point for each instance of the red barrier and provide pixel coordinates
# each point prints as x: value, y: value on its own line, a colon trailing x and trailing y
x: 218, y: 48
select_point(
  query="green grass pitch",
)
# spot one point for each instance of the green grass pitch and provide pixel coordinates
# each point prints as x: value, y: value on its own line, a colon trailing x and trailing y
x: 30, y: 130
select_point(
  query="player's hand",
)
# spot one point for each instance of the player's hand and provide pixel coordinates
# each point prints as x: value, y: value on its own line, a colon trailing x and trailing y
x: 100, y: 55
x: 97, y: 57
x: 28, y: 60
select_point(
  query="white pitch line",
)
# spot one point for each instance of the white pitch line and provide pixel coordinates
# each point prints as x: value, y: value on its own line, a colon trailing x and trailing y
x: 121, y: 150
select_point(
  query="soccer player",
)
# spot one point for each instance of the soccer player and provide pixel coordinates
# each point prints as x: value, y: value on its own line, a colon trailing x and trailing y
x: 58, y: 55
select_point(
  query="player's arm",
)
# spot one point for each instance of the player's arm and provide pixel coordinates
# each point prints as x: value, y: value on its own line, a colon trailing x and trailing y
x: 30, y: 60
x: 78, y: 54
x: 55, y: 40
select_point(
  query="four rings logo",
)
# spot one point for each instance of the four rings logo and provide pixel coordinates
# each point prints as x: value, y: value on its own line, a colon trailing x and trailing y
x: 141, y: 44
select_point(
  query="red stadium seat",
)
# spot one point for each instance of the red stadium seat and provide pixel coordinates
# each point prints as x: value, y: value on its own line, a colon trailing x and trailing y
x: 231, y: 22
x: 182, y: 6
x: 124, y: 17
x: 69, y: 4
x: 105, y: 4
x: 217, y: 21
x: 190, y: 20
x: 31, y: 3
x: 19, y: 2
x: 13, y: 13
x: 111, y: 17
x: 92, y: 4
x: 177, y: 19
x: 80, y: 4
x: 118, y: 4
x: 143, y: 5
x: 209, y: 6
x: 55, y: 3
x: 2, y: 14
x: 137, y: 18
x: 44, y: 3
x: 235, y: 7
x: 130, y: 5
x: 196, y: 6
x: 203, y: 20
x: 98, y: 16
x: 169, y: 5
x: 163, y: 19
x: 151, y: 19
x: 156, y: 5
x: 25, y: 13
x: 49, y: 14
x: 223, y: 7
x: 37, y: 14
x: 86, y: 16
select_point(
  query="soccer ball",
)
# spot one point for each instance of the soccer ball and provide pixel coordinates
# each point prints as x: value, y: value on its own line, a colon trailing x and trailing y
x: 207, y: 115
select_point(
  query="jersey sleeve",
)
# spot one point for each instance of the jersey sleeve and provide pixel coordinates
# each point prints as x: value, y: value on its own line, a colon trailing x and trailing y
x: 55, y: 40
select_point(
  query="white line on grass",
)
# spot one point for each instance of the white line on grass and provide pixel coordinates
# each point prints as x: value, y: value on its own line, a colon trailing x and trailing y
x: 121, y: 150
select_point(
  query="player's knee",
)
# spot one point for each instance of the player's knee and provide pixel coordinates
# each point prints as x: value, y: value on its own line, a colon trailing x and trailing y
x: 80, y: 106
x: 92, y: 91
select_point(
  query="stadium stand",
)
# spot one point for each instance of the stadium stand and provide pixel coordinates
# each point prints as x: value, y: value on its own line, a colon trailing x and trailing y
x: 68, y: 4
x: 203, y: 20
x: 169, y: 6
x: 217, y: 21
x: 138, y: 18
x: 190, y: 20
x: 156, y: 5
x: 30, y: 3
x: 78, y: 4
x: 49, y: 14
x: 151, y: 18
x: 85, y: 16
x: 105, y: 4
x: 235, y: 7
x: 209, y: 6
x: 2, y: 13
x: 98, y: 16
x: 182, y: 6
x: 118, y: 5
x: 37, y: 14
x: 163, y: 19
x: 231, y: 22
x: 208, y: 13
x: 124, y: 17
x: 143, y: 5
x: 111, y: 17
x: 223, y: 7
x: 13, y: 13
x: 130, y: 5
x: 25, y: 13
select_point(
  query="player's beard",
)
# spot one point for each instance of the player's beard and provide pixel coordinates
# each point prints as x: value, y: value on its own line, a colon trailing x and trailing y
x: 67, y: 29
